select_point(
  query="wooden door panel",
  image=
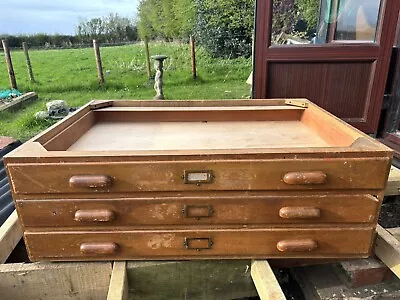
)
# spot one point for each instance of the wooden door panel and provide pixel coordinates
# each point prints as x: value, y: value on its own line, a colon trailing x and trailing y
x: 343, y: 93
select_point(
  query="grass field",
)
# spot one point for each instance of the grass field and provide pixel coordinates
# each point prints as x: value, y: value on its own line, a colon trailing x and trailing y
x: 71, y: 75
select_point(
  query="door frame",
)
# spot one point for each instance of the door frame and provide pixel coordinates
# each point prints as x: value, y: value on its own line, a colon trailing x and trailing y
x: 377, y: 53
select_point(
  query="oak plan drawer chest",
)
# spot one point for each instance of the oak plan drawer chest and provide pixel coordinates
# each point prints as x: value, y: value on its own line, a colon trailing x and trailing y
x: 122, y: 180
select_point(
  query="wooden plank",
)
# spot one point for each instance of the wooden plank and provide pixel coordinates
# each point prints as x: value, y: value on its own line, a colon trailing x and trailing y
x: 193, y: 52
x: 265, y: 281
x: 118, y: 289
x: 28, y: 61
x: 276, y: 109
x: 196, y: 103
x: 9, y: 63
x: 393, y: 184
x: 194, y: 280
x: 18, y: 101
x: 10, y: 234
x: 387, y: 249
x: 98, y: 62
x: 395, y: 232
x: 147, y: 52
x: 55, y: 281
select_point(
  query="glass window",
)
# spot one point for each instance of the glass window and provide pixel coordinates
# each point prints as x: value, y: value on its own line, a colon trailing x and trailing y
x: 324, y: 21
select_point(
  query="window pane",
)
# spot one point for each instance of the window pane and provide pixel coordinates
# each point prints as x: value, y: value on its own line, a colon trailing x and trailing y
x: 324, y: 21
x: 357, y: 20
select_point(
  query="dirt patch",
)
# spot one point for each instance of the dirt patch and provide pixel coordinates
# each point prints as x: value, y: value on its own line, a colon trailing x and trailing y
x: 390, y: 212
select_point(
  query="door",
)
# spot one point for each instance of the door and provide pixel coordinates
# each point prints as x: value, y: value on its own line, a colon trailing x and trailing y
x: 391, y: 134
x: 336, y: 53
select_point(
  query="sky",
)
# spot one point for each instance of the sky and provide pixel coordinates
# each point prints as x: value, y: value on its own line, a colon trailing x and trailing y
x: 57, y: 16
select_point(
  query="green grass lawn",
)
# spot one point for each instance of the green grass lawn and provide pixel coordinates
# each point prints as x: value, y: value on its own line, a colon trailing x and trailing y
x: 71, y: 75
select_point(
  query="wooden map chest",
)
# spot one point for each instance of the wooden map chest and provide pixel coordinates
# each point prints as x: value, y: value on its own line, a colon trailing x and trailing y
x: 121, y: 180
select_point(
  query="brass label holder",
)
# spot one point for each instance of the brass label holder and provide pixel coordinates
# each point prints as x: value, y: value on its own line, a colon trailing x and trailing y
x: 198, y: 177
x: 197, y: 211
x: 198, y: 244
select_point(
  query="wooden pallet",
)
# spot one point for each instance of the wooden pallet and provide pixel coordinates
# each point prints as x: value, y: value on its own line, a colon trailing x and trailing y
x: 387, y: 244
x: 17, y: 102
x: 387, y: 248
x: 393, y: 185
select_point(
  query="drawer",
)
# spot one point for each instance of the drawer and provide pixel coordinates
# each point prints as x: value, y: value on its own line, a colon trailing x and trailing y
x: 199, y: 210
x: 276, y: 174
x: 185, y: 244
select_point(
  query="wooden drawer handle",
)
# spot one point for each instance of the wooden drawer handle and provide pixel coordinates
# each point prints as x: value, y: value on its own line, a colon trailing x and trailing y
x: 297, y: 245
x: 304, y: 178
x: 94, y: 215
x: 299, y: 212
x: 99, y: 248
x: 90, y: 181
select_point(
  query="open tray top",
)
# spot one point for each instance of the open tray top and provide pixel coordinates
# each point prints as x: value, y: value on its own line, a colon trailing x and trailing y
x: 118, y: 136
x: 133, y: 130
x: 204, y: 128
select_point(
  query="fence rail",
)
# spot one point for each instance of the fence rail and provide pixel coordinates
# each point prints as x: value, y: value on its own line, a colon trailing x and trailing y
x: 96, y: 46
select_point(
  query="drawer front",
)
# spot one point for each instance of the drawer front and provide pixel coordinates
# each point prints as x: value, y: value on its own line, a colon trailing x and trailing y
x: 184, y: 244
x: 191, y: 211
x: 299, y: 174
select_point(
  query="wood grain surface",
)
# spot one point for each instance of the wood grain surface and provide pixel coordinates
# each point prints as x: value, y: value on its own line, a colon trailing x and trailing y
x: 357, y: 173
x: 196, y: 135
x: 199, y: 179
x: 220, y: 210
x: 49, y: 281
x: 225, y: 243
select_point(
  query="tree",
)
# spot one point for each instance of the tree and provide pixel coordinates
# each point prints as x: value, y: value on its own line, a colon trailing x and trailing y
x: 168, y: 19
x: 110, y: 29
x: 148, y: 13
x: 185, y: 15
x: 225, y: 27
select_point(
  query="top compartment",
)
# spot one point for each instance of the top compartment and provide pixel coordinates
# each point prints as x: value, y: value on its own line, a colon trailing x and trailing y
x: 148, y: 127
x: 189, y: 130
x: 141, y: 146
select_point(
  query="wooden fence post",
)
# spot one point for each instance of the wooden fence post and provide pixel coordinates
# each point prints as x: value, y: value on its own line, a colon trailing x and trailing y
x: 28, y: 61
x: 98, y: 62
x: 146, y: 45
x: 193, y: 51
x: 10, y: 67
